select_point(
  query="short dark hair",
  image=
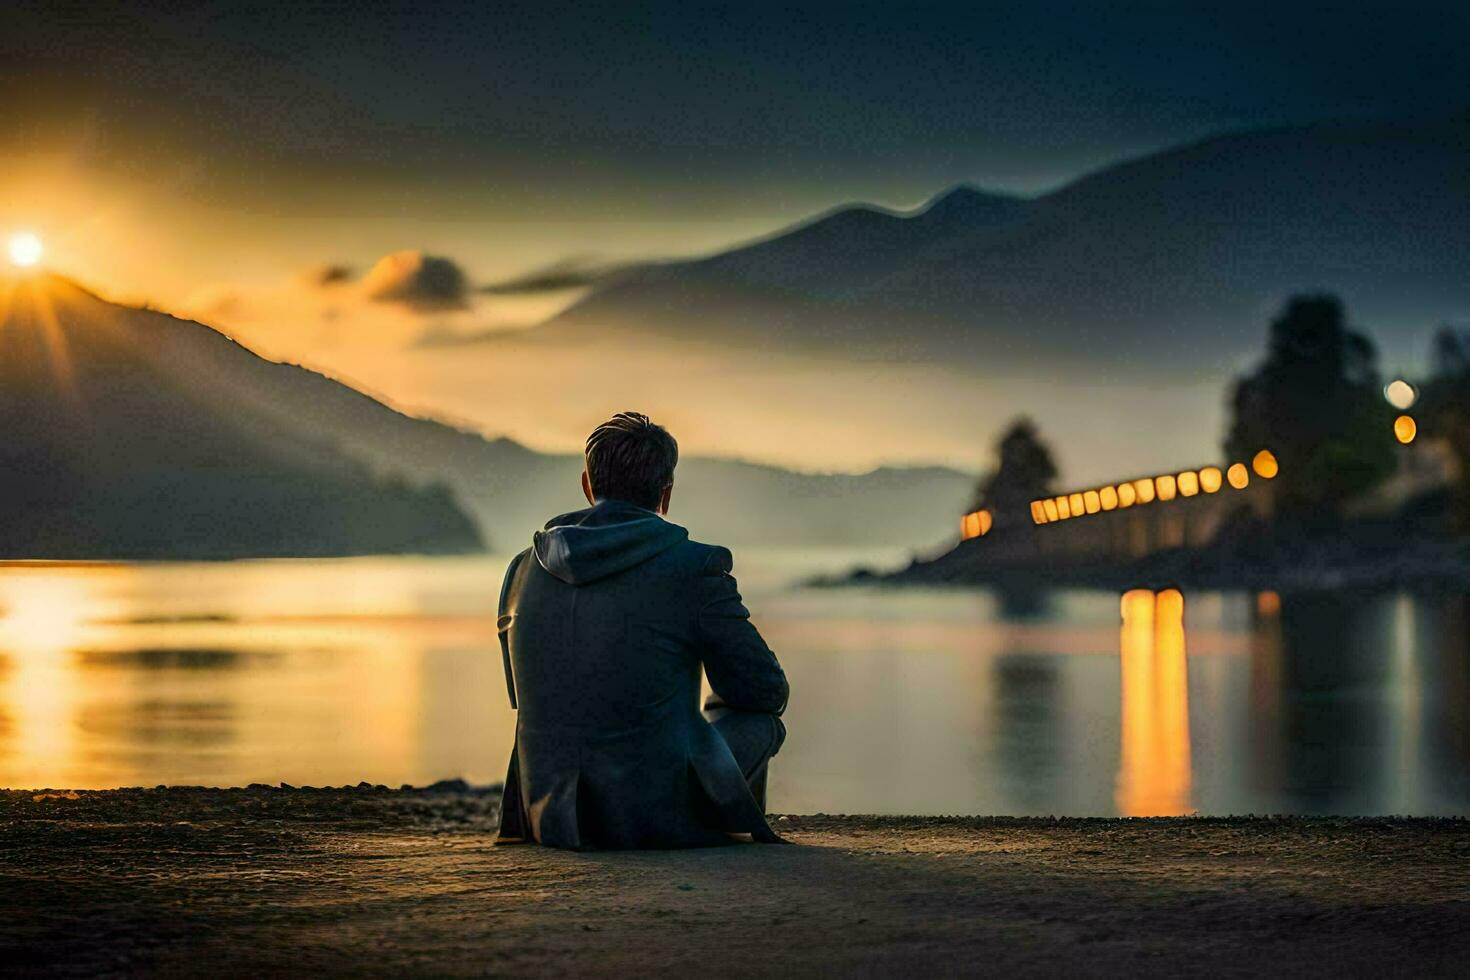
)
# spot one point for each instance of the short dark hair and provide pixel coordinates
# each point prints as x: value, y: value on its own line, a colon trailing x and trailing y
x: 630, y: 458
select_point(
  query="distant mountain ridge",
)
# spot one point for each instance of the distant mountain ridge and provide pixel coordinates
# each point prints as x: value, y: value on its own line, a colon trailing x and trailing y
x: 1172, y: 257
x: 115, y: 444
x: 177, y: 405
x: 828, y: 255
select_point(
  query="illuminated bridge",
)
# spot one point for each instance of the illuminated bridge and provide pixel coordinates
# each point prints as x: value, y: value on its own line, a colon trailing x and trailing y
x: 1171, y: 510
x: 1136, y: 516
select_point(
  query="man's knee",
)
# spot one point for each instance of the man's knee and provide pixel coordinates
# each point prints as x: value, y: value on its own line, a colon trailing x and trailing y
x: 780, y: 734
x: 753, y: 736
x: 774, y: 726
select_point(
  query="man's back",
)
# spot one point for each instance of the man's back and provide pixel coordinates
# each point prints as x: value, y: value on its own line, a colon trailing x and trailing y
x: 607, y: 621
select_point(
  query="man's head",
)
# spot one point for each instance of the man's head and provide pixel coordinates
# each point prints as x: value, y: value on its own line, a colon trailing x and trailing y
x: 631, y: 459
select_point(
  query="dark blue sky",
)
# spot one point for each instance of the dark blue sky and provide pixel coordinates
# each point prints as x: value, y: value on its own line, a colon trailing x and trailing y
x: 214, y: 159
x: 248, y: 141
x: 1017, y: 96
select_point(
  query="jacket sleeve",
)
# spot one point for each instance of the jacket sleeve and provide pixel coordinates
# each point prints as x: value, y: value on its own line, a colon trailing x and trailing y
x: 743, y: 672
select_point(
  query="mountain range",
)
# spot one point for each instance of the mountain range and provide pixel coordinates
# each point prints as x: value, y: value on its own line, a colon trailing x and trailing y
x: 123, y: 435
x: 1171, y: 260
x: 130, y: 433
x: 1114, y: 310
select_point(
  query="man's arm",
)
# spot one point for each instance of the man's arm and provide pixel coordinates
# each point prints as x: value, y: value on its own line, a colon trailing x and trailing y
x: 742, y: 670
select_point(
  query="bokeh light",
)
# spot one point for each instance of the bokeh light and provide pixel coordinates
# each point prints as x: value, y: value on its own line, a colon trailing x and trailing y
x: 1405, y: 429
x: 1169, y: 486
x: 1400, y: 394
x: 1137, y: 607
x: 975, y: 524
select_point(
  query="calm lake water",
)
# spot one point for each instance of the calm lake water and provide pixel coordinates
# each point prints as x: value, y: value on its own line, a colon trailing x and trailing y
x: 388, y: 670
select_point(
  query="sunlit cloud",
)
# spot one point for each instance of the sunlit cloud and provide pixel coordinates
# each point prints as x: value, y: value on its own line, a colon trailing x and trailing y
x: 329, y: 275
x: 426, y: 283
x: 217, y: 303
x: 299, y: 319
x: 577, y: 272
x: 440, y: 335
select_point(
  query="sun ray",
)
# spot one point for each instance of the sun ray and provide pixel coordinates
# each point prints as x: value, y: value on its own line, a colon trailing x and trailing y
x: 54, y: 335
x: 7, y: 300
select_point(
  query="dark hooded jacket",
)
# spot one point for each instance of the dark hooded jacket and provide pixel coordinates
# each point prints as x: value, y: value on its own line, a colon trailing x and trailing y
x: 605, y: 623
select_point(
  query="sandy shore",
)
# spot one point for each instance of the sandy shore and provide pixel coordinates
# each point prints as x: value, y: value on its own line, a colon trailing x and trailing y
x: 383, y: 882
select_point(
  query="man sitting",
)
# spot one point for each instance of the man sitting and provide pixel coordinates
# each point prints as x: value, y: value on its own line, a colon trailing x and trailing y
x: 605, y: 624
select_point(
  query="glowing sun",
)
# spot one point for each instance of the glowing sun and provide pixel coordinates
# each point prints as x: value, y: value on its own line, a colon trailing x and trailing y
x: 25, y: 249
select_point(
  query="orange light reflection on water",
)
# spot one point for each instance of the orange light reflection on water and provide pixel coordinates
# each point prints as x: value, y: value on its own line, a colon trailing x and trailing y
x: 1154, y: 774
x: 96, y: 691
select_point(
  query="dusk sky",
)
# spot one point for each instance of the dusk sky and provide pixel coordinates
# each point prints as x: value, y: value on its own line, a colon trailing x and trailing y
x: 232, y: 164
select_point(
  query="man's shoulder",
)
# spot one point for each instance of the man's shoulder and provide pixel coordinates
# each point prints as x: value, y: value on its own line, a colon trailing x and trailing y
x: 707, y: 559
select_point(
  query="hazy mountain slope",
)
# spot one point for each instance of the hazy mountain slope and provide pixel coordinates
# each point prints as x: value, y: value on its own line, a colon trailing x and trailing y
x: 1171, y: 258
x: 828, y: 257
x: 114, y: 448
x: 510, y: 489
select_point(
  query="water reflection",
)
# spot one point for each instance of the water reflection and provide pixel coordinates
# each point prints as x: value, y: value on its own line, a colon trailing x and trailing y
x: 1154, y: 775
x: 310, y: 673
x: 1358, y: 704
x: 915, y: 701
x: 165, y: 659
x: 1030, y: 728
x: 1450, y: 673
x: 1336, y: 660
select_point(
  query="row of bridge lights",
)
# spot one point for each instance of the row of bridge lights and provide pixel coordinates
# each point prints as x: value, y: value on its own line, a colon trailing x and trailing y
x: 1132, y: 493
x: 1148, y: 489
x: 976, y: 524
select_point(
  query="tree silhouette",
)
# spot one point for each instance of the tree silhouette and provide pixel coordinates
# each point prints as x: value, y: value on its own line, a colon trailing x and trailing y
x: 1024, y: 473
x: 1315, y: 403
x: 1445, y: 406
x: 1451, y: 355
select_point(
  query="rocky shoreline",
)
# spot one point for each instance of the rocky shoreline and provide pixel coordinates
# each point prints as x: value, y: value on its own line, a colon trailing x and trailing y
x: 1384, y: 560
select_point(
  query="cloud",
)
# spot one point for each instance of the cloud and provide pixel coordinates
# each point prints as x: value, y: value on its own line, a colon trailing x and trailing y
x: 439, y: 336
x: 216, y: 303
x: 331, y: 274
x: 577, y: 272
x: 425, y: 283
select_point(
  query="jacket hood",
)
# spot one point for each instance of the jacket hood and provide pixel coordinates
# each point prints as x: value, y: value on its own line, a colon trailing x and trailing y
x: 611, y: 537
